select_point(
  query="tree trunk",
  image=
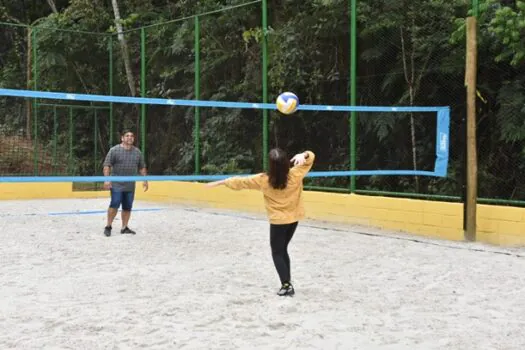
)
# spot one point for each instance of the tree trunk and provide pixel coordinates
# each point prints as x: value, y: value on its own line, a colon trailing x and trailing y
x: 75, y: 67
x: 409, y: 78
x: 124, y: 48
x: 52, y: 5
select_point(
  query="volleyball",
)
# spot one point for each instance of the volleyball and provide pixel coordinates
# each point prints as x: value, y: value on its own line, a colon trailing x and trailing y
x: 287, y: 103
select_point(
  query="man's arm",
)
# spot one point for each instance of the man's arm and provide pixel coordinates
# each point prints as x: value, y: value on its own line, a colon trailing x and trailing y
x: 106, y: 170
x: 144, y: 172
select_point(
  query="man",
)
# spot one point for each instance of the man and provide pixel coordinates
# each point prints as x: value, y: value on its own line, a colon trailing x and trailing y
x: 123, y: 160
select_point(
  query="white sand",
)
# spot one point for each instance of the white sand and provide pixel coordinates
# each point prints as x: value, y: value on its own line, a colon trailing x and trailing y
x: 202, y: 279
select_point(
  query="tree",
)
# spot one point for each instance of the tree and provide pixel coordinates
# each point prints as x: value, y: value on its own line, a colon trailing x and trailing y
x: 124, y: 48
x: 508, y: 26
x: 52, y: 5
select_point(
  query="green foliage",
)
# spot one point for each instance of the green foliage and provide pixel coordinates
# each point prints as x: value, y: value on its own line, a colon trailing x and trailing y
x: 510, y: 115
x: 508, y: 25
x: 409, y: 52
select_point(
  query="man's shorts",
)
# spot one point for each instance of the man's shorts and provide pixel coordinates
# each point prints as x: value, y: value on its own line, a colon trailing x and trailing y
x: 124, y: 198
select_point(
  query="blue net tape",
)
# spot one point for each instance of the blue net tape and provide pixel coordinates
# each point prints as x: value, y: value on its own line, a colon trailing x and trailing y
x: 200, y: 103
x: 442, y: 135
x: 190, y: 178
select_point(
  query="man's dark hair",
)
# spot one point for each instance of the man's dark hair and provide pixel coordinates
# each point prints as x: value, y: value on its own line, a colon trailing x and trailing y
x: 125, y: 132
x: 278, y: 168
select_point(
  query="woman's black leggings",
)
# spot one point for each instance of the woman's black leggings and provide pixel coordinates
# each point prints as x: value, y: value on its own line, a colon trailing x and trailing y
x: 280, y: 236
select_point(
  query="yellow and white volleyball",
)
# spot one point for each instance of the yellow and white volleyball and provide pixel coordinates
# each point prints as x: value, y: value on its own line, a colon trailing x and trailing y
x: 287, y: 103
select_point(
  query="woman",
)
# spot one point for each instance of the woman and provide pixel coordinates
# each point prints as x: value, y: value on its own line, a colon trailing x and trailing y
x: 282, y: 188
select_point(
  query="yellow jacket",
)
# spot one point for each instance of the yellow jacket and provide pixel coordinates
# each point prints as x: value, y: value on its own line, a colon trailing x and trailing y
x: 282, y: 206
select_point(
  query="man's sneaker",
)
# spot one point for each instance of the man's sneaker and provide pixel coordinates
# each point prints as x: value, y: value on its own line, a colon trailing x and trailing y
x: 127, y: 230
x: 286, y: 290
x: 107, y: 231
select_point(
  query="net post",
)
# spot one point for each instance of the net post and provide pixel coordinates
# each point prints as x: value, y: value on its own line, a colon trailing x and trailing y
x: 264, y: 8
x: 471, y: 164
x: 28, y: 80
x: 70, y: 162
x: 55, y: 139
x: 110, y: 49
x: 95, y: 138
x: 353, y: 83
x: 35, y: 102
x: 143, y: 90
x: 196, y: 136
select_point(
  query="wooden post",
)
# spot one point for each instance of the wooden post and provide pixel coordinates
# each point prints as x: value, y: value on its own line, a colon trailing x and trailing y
x: 472, y: 163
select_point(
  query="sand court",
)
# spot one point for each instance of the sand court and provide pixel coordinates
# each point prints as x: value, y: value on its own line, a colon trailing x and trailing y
x: 203, y: 279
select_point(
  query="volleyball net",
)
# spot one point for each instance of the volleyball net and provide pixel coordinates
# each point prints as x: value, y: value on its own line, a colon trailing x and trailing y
x: 73, y: 132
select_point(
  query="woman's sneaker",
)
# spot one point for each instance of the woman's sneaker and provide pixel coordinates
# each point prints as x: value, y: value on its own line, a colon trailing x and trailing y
x: 127, y: 230
x: 286, y: 290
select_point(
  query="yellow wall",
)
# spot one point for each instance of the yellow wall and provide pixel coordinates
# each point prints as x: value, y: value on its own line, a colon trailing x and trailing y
x: 427, y: 218
x: 33, y: 190
x: 496, y: 224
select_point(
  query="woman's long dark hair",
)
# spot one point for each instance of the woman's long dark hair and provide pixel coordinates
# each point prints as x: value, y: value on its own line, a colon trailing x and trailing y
x: 278, y: 169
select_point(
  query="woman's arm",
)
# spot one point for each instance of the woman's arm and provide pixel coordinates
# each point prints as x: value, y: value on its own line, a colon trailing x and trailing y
x: 303, y: 162
x: 253, y: 182
x: 216, y: 183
